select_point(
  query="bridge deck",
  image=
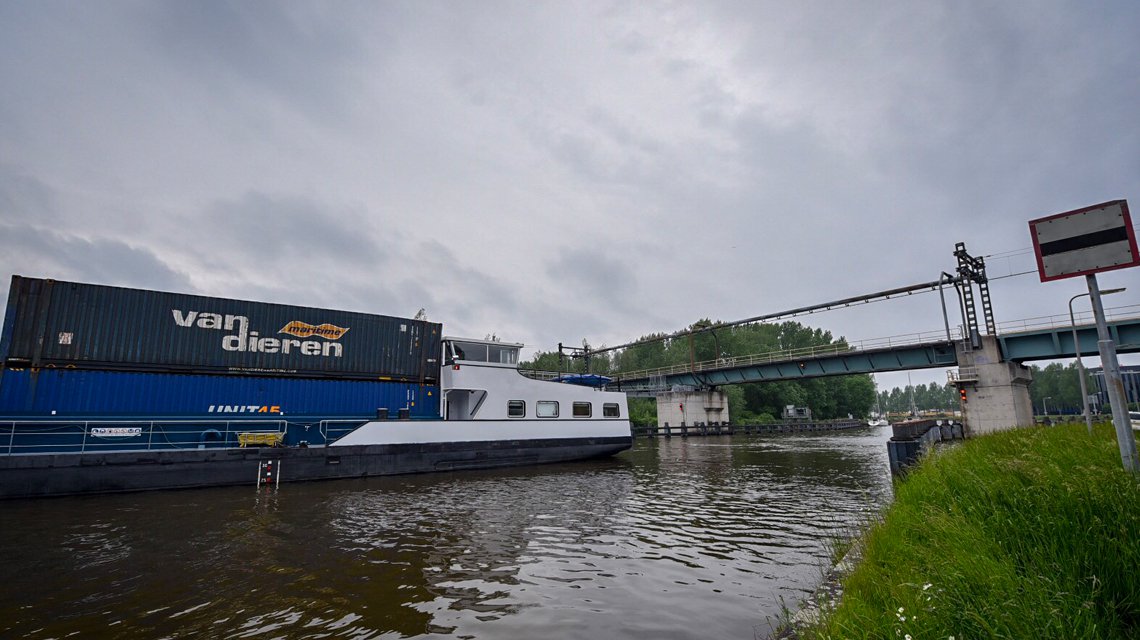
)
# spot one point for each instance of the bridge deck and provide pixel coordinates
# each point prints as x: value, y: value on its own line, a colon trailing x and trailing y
x: 1035, y: 339
x: 1052, y: 338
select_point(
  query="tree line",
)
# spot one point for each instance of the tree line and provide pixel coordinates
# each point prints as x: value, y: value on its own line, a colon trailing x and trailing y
x: 1056, y: 389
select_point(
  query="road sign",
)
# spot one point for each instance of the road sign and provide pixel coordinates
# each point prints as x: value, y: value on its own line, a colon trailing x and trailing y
x: 1085, y: 241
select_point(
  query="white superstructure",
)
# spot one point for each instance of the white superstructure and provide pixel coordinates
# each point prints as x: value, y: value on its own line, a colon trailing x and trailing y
x: 485, y: 398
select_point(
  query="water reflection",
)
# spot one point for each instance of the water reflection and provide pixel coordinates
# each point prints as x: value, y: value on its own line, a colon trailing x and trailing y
x: 676, y: 538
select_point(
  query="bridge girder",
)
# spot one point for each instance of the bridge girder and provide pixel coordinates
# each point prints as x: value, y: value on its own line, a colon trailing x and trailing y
x: 1057, y: 342
x: 922, y: 356
x: 1037, y: 344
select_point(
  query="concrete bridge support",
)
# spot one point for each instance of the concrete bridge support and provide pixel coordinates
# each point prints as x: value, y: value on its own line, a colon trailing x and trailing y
x: 677, y: 408
x: 997, y: 391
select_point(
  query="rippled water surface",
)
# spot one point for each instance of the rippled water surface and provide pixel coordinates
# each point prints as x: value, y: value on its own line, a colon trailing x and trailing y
x: 696, y: 538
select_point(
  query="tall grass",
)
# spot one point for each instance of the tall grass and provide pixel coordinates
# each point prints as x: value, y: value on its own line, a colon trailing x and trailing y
x: 1031, y: 533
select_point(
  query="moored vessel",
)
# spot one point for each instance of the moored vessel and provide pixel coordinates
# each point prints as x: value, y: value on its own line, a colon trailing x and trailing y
x: 120, y: 391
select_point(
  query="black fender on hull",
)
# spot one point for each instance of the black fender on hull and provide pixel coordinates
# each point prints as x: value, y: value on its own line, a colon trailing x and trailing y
x: 64, y: 474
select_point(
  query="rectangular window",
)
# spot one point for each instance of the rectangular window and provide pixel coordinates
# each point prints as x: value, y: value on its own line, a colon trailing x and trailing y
x: 547, y: 409
x: 516, y: 408
x: 611, y: 410
x: 583, y: 410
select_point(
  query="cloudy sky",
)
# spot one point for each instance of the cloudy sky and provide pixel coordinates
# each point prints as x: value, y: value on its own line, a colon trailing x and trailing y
x: 557, y: 171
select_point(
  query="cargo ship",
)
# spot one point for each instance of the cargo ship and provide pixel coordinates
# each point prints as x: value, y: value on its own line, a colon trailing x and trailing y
x: 108, y: 389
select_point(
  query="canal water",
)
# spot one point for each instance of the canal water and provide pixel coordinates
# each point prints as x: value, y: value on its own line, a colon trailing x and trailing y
x: 694, y: 538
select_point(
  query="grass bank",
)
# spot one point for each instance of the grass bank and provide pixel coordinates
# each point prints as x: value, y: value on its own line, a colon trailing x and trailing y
x: 1031, y: 533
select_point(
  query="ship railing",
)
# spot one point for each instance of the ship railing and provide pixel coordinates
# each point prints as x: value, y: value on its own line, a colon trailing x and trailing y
x: 21, y: 437
x: 333, y: 430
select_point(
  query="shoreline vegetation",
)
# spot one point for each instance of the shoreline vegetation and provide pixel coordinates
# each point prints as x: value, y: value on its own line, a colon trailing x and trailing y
x: 1028, y: 533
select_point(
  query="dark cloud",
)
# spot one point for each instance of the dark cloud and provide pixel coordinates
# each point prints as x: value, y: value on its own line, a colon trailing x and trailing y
x: 300, y: 54
x: 591, y: 274
x: 42, y: 253
x: 286, y: 229
x: 24, y: 198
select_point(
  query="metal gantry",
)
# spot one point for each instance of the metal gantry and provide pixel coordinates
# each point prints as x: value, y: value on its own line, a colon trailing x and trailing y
x: 972, y: 271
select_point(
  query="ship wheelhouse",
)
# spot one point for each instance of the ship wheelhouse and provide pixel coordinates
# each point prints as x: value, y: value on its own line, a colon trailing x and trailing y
x: 480, y: 381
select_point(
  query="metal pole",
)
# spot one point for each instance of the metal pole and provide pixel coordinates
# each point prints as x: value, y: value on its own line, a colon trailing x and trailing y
x: 1080, y: 364
x: 942, y: 297
x: 1124, y: 438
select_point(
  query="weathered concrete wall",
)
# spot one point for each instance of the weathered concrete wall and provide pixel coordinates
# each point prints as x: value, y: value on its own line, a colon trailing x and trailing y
x: 997, y: 392
x: 699, y: 407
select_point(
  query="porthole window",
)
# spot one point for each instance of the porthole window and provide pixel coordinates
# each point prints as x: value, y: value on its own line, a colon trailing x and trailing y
x: 547, y: 409
x: 516, y: 408
x: 611, y: 410
x: 583, y: 410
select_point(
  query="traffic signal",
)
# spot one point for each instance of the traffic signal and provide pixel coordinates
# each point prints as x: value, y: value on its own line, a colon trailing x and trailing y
x: 962, y: 394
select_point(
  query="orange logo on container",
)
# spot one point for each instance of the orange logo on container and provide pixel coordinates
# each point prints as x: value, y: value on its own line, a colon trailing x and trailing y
x: 305, y: 330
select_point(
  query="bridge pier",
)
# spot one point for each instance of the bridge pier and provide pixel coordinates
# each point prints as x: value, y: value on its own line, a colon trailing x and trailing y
x: 997, y: 391
x: 692, y: 408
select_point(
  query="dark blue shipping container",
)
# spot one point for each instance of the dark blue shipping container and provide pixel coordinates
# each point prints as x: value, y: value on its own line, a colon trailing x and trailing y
x: 66, y: 324
x: 67, y: 393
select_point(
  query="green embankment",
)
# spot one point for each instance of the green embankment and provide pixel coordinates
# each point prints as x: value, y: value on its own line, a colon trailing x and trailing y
x: 1031, y: 533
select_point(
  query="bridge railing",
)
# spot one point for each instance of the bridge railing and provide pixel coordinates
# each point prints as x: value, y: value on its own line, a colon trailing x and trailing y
x: 784, y: 355
x: 962, y: 374
x: 1063, y: 321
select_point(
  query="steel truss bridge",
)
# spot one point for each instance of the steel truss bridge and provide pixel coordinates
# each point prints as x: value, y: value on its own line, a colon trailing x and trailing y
x: 1044, y: 338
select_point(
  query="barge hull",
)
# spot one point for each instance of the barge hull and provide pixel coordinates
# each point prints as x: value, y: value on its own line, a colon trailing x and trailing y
x: 44, y: 475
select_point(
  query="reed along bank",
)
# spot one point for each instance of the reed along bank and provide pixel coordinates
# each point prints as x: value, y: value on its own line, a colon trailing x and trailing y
x: 1030, y: 533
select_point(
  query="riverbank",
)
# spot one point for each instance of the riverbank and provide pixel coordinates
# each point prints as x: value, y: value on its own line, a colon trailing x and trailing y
x: 1031, y: 533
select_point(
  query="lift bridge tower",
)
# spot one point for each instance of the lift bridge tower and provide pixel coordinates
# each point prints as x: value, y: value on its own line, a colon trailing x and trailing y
x: 993, y: 393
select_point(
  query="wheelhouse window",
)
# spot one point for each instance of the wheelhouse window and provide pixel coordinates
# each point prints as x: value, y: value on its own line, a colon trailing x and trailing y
x: 516, y: 408
x: 546, y: 409
x: 502, y: 354
x: 471, y: 351
x: 583, y: 410
x: 611, y: 410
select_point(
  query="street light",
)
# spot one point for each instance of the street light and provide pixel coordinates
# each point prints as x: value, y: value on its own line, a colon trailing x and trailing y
x: 1045, y: 405
x: 1077, y: 348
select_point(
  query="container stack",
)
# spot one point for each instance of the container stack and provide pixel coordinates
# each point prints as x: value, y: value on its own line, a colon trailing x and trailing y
x: 82, y: 350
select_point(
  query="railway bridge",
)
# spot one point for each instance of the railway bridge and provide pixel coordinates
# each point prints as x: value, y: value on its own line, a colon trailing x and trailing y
x: 990, y: 375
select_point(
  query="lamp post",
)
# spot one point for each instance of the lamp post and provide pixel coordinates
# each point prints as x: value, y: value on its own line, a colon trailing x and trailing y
x: 1045, y: 405
x: 1080, y: 363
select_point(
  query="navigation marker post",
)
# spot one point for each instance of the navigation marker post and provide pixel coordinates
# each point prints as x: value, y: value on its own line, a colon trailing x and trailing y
x: 1085, y: 242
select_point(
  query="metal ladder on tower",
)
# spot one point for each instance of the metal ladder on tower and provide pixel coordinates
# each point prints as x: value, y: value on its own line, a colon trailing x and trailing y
x: 987, y: 306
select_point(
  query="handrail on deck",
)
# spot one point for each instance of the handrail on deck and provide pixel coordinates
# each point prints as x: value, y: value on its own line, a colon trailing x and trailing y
x: 82, y: 436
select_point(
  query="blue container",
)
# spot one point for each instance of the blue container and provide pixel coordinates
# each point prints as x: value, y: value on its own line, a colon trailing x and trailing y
x: 61, y: 393
x: 67, y: 324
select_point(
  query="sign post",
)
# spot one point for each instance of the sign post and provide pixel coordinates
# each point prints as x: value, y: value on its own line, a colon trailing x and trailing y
x: 1085, y: 242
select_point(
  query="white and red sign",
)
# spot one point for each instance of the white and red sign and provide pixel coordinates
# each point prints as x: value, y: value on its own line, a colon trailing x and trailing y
x: 1089, y: 240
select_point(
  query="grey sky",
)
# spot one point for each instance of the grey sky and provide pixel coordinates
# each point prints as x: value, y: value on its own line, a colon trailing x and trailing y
x: 557, y: 171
